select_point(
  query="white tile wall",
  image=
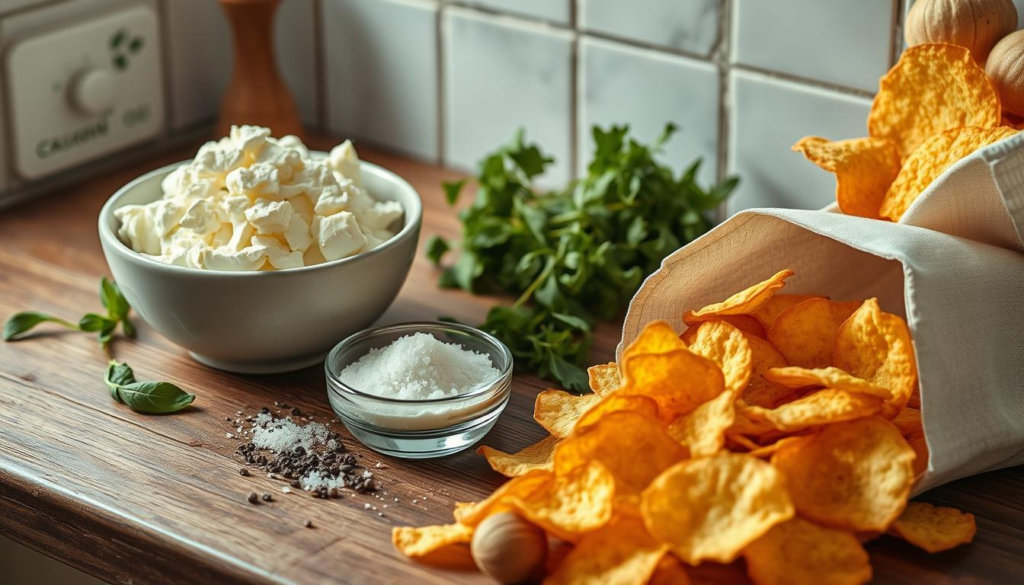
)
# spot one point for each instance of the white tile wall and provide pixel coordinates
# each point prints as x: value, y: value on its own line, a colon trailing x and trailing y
x: 620, y: 84
x: 768, y: 117
x: 685, y: 25
x: 9, y: 6
x: 500, y: 75
x: 379, y: 90
x: 556, y: 11
x: 836, y: 41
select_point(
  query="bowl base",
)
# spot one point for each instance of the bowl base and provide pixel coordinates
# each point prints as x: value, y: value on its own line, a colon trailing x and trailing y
x: 268, y: 367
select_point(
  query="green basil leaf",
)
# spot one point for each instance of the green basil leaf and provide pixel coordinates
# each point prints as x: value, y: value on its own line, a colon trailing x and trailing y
x: 24, y: 322
x: 155, y: 397
x: 451, y: 190
x: 92, y: 322
x: 436, y: 248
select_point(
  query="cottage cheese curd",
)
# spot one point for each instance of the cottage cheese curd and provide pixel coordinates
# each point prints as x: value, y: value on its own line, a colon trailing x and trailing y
x: 253, y: 202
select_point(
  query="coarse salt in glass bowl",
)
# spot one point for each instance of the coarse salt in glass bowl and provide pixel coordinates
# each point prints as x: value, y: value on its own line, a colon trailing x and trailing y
x: 423, y: 428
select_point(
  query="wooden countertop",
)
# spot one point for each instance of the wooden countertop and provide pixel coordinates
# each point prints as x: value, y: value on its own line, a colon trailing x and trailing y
x: 158, y: 499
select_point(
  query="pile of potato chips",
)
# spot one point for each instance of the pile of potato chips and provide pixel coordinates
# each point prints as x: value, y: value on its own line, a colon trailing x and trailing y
x: 783, y: 429
x: 933, y: 108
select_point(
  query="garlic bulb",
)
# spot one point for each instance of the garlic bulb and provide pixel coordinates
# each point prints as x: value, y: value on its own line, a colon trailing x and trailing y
x: 976, y: 25
x: 508, y: 548
x: 1005, y: 68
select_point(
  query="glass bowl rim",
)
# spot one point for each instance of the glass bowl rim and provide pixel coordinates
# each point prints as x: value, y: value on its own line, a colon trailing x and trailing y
x: 335, y: 385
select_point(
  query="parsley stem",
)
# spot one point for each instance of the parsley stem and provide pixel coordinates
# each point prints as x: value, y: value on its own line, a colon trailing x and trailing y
x: 534, y: 285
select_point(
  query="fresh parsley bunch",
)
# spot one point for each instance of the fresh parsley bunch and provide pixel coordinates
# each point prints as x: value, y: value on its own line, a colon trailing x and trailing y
x: 575, y: 255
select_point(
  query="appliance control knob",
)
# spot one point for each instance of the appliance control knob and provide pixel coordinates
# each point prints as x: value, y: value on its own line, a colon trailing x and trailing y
x: 91, y: 91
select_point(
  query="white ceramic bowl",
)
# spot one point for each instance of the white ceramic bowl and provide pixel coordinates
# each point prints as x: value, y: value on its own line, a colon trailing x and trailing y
x: 263, y: 322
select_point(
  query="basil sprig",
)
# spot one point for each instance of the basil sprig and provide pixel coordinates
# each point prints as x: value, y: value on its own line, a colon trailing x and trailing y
x: 145, y: 397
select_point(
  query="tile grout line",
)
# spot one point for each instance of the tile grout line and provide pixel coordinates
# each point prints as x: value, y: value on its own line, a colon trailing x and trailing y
x: 723, y: 52
x: 320, y: 62
x: 574, y: 96
x: 441, y: 92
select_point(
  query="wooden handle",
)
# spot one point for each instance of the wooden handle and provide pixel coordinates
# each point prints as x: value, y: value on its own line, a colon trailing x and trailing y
x: 256, y: 95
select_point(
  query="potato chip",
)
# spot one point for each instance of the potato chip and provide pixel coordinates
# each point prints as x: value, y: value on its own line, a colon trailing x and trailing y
x: 909, y: 423
x: 744, y: 302
x: 656, y: 338
x: 727, y: 346
x: 934, y: 528
x: 799, y: 552
x: 864, y: 169
x: 915, y: 397
x: 760, y: 391
x: 745, y: 323
x: 805, y: 333
x: 703, y: 430
x: 618, y: 402
x: 830, y: 377
x: 822, y: 407
x: 670, y: 571
x: 922, y: 455
x: 604, y: 378
x: 678, y: 381
x: 621, y: 553
x: 738, y: 442
x: 930, y: 160
x: 557, y: 410
x: 687, y: 508
x: 522, y: 486
x: 876, y: 347
x: 616, y: 440
x: 767, y: 450
x: 574, y: 503
x: 540, y: 455
x: 770, y: 310
x: 855, y: 475
x: 933, y: 88
x: 423, y: 541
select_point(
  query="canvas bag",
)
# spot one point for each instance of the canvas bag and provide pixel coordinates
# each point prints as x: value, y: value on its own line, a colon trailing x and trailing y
x: 953, y: 267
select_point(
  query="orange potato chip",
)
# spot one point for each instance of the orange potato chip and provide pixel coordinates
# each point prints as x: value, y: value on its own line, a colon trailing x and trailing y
x: 876, y: 346
x: 604, y: 378
x: 933, y: 88
x: 830, y: 377
x: 615, y: 441
x: 770, y: 310
x: 522, y: 486
x: 768, y: 450
x: 909, y: 423
x: 855, y: 475
x: 806, y: 332
x: 744, y: 302
x: 678, y: 381
x: 621, y: 553
x: 727, y: 346
x: 864, y: 169
x: 915, y: 398
x: 540, y: 455
x: 760, y: 391
x: 818, y: 408
x: 656, y: 338
x: 934, y: 528
x: 576, y: 502
x: 557, y: 410
x: 670, y: 572
x: 799, y: 552
x: 618, y: 402
x: 687, y: 508
x: 930, y: 160
x: 426, y: 540
x: 920, y: 447
x: 738, y: 442
x: 703, y: 430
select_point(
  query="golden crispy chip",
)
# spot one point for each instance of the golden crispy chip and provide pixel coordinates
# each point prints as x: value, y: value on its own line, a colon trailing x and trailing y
x: 915, y: 397
x: 909, y: 423
x: 522, y: 486
x: 739, y: 443
x: 727, y: 346
x: 744, y: 302
x: 876, y: 346
x: 670, y: 571
x: 615, y: 403
x: 616, y: 441
x: 750, y: 421
x: 578, y: 501
x: 604, y: 378
x: 768, y: 450
x: 933, y: 88
x: 657, y: 337
x: 687, y: 508
x: 821, y: 407
x: 678, y: 381
x: 770, y: 310
x: 621, y: 553
x: 540, y: 455
x: 423, y: 541
x: 864, y: 169
x: 703, y: 430
x: 933, y: 528
x: 855, y: 475
x: 760, y: 391
x: 799, y: 552
x: 806, y: 332
x: 557, y: 410
x: 930, y: 159
x: 830, y: 377
x: 920, y: 447
x: 745, y: 323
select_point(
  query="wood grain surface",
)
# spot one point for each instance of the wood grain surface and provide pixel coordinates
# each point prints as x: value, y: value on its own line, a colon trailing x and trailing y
x: 158, y: 499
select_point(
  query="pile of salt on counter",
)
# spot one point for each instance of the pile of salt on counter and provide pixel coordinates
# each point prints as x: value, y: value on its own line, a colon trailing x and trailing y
x: 419, y: 367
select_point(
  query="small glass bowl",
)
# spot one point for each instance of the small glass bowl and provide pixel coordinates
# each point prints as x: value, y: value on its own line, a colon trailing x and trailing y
x: 419, y: 429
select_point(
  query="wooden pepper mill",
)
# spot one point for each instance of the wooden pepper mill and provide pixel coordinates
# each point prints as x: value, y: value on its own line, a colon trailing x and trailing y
x: 256, y: 95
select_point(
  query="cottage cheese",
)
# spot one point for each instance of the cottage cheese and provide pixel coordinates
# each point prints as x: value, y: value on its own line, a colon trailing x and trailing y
x: 253, y: 202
